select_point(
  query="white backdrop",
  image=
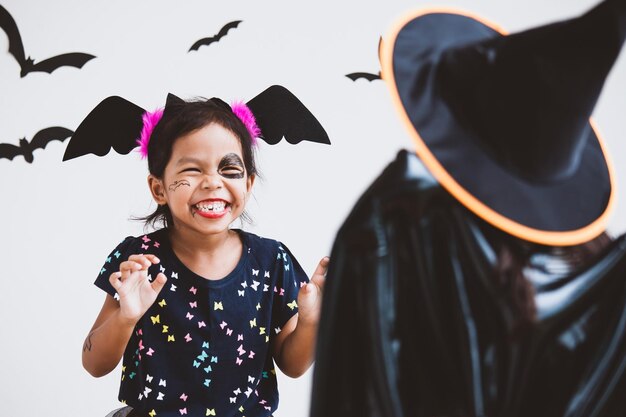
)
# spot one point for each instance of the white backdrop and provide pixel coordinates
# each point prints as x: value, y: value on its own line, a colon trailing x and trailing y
x: 58, y: 220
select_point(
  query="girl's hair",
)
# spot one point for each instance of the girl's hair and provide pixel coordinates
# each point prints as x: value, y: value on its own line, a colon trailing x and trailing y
x: 183, y: 117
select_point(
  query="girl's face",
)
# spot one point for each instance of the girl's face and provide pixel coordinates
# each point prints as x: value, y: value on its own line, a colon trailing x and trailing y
x: 205, y: 183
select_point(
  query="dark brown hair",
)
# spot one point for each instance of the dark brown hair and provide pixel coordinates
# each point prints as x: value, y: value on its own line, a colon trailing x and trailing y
x: 515, y: 256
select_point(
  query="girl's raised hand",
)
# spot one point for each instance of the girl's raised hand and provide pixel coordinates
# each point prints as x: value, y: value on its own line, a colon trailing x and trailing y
x: 136, y: 292
x: 310, y: 295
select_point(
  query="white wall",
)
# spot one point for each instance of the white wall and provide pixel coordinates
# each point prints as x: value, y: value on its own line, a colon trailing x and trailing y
x: 59, y: 219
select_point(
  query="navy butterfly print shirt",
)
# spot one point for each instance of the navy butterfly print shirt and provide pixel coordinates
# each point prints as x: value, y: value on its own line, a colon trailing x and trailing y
x: 204, y: 347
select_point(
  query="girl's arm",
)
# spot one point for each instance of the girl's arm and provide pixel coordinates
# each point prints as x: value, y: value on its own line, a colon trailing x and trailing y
x: 107, y: 339
x: 294, y: 346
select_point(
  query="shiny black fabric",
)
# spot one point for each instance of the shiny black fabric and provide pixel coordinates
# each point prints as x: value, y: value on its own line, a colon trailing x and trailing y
x: 413, y: 323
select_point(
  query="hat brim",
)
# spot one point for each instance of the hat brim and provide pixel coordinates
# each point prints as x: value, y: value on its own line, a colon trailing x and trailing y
x: 567, y: 212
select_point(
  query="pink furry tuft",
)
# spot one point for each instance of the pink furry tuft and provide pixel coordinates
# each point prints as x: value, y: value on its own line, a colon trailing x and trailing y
x: 243, y: 112
x: 150, y: 120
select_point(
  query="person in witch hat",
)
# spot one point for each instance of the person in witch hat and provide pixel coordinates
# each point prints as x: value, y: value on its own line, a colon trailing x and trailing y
x: 475, y: 277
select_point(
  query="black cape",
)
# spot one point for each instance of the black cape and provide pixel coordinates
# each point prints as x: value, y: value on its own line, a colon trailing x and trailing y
x: 413, y: 324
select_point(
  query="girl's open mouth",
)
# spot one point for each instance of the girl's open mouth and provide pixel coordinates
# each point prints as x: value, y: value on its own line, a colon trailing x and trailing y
x: 212, y: 208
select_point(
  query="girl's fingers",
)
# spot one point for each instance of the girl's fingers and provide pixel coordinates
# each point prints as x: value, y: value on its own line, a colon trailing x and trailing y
x: 319, y: 281
x: 152, y: 258
x: 114, y: 279
x: 322, y: 266
x: 146, y: 260
x: 319, y: 276
x: 127, y: 268
x: 131, y: 266
x: 133, y: 271
x: 137, y: 263
x: 159, y: 282
x: 137, y: 266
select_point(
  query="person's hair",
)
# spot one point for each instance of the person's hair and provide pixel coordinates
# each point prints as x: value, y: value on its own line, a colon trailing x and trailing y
x: 181, y: 118
x: 517, y: 258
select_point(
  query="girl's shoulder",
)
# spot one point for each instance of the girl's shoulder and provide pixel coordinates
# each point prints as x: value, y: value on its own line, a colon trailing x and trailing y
x: 263, y: 247
x: 146, y: 243
x: 150, y: 243
x: 257, y: 242
x: 252, y: 240
x: 258, y: 246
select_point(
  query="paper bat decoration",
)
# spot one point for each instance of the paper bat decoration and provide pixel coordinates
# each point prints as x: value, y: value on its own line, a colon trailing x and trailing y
x: 369, y: 77
x: 116, y: 123
x: 28, y: 65
x: 207, y: 41
x: 39, y: 141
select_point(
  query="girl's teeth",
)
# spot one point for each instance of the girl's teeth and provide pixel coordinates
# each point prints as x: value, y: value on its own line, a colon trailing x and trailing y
x: 211, y: 207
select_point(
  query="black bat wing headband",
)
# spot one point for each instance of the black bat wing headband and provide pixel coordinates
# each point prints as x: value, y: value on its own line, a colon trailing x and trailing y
x: 114, y: 123
x: 279, y: 114
x: 117, y: 123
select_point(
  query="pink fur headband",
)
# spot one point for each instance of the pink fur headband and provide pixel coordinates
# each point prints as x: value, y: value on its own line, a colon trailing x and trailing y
x: 243, y: 112
x: 151, y: 119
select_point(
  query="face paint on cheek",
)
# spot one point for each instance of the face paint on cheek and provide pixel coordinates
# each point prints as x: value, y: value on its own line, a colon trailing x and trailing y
x: 173, y: 186
x: 231, y: 167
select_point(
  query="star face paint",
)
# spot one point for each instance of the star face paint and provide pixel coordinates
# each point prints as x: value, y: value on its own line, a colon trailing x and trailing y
x: 231, y: 166
x: 173, y: 186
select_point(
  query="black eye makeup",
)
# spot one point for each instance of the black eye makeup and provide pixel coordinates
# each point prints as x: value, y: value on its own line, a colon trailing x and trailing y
x: 231, y: 166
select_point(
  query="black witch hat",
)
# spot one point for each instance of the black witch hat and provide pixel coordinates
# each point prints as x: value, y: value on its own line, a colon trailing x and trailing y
x: 502, y: 121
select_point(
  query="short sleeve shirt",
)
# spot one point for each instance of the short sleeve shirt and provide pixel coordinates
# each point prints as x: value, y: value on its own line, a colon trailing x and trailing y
x: 204, y: 347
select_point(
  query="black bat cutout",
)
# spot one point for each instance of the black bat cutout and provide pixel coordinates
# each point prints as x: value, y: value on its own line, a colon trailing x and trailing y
x: 114, y: 123
x: 39, y: 141
x: 280, y: 115
x: 368, y: 76
x: 207, y: 41
x: 28, y: 65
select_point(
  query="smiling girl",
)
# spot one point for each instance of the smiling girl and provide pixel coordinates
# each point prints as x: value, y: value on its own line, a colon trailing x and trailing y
x: 197, y: 310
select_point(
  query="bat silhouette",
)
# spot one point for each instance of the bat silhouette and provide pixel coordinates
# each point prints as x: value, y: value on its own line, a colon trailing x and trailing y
x: 27, y: 65
x: 116, y: 123
x: 207, y: 41
x: 368, y: 76
x: 40, y: 140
